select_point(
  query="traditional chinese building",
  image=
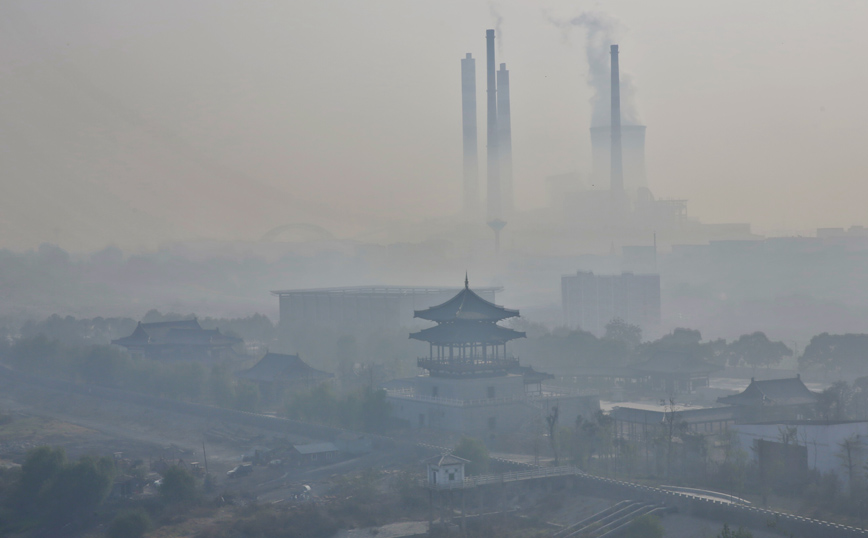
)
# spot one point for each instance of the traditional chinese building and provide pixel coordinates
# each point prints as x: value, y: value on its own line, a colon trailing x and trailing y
x: 474, y: 384
x: 179, y: 340
x: 277, y: 373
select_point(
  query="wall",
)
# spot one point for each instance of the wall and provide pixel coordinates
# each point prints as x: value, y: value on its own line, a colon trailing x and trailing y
x: 823, y: 441
x: 471, y: 389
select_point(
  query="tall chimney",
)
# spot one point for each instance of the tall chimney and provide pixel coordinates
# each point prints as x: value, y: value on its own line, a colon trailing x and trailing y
x: 504, y: 141
x: 617, y: 171
x: 493, y: 168
x: 468, y: 129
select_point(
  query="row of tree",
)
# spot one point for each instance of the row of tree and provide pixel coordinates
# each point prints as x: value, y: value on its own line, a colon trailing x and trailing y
x: 114, y: 367
x: 622, y: 345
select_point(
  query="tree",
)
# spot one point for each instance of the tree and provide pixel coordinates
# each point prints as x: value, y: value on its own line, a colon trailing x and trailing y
x: 80, y: 487
x: 756, y: 350
x: 725, y: 532
x: 836, y: 353
x: 57, y: 491
x: 130, y: 525
x: 179, y: 486
x: 475, y: 451
x: 41, y: 465
x: 552, y: 422
x: 620, y: 330
x: 851, y: 459
x: 647, y: 526
x: 376, y: 411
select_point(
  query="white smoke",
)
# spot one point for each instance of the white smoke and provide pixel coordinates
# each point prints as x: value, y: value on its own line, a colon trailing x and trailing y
x: 601, y: 31
x: 498, y: 26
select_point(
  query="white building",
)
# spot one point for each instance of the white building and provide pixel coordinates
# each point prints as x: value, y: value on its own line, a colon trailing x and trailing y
x: 824, y: 440
x: 446, y: 471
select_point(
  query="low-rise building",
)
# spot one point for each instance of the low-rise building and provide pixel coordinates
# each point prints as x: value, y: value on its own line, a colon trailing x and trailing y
x: 275, y: 373
x: 640, y: 422
x: 446, y: 470
x: 773, y: 399
x: 314, y: 453
x: 179, y: 340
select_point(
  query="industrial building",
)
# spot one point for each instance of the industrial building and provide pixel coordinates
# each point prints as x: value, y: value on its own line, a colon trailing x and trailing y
x: 591, y: 301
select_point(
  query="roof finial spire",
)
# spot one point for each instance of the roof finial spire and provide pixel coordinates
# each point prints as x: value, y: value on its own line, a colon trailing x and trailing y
x: 466, y: 281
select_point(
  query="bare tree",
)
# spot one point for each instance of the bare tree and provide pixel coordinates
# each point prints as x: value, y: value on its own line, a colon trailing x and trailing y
x: 552, y: 421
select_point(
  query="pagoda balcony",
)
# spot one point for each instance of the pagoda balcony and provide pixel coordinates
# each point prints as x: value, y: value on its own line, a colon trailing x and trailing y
x: 457, y: 366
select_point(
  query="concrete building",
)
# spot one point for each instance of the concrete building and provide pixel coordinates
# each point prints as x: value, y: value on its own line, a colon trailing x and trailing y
x: 591, y: 301
x: 360, y: 307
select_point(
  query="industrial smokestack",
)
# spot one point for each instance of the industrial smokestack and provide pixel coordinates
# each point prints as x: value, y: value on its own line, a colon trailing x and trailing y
x: 504, y: 141
x: 468, y: 129
x: 493, y: 169
x: 617, y: 171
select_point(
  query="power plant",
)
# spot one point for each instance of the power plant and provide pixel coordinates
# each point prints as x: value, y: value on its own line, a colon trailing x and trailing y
x: 610, y: 204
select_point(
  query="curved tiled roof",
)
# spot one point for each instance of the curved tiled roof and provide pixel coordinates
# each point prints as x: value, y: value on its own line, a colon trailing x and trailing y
x: 467, y: 332
x: 466, y: 305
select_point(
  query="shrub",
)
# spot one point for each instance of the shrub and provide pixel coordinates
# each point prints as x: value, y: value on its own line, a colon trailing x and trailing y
x: 130, y: 525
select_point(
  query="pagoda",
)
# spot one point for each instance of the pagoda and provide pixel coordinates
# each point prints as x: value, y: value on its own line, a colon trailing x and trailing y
x: 467, y: 341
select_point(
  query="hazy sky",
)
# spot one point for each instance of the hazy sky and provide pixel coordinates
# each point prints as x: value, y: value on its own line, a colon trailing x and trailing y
x: 144, y: 120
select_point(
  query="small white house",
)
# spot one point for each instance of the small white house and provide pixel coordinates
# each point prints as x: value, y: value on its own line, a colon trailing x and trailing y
x: 446, y: 471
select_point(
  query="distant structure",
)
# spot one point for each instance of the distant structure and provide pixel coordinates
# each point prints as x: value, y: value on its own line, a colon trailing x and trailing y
x: 349, y: 309
x: 179, y: 340
x: 773, y: 399
x: 632, y: 156
x: 469, y: 134
x: 504, y: 142
x: 277, y: 373
x: 474, y: 384
x: 493, y: 165
x: 591, y: 301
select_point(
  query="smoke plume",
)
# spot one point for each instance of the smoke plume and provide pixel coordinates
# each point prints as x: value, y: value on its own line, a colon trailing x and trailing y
x: 600, y: 32
x: 498, y: 27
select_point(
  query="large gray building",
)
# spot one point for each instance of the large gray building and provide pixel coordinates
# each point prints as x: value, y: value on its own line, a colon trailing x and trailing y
x: 591, y: 301
x: 360, y: 307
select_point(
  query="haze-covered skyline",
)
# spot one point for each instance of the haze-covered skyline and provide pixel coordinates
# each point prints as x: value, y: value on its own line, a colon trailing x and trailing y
x: 148, y: 122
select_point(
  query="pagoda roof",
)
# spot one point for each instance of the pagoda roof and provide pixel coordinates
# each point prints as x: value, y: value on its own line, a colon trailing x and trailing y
x: 466, y: 305
x: 467, y: 332
x: 788, y: 391
x: 175, y: 333
x: 275, y: 366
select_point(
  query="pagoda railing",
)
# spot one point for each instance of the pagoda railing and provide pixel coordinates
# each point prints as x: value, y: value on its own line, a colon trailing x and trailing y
x: 456, y: 365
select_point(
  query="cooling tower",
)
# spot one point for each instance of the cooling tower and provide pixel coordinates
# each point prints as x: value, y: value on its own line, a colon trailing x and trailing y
x: 468, y: 129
